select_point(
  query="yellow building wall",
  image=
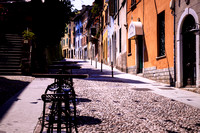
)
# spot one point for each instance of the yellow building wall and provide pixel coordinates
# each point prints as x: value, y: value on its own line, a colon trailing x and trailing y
x: 147, y: 11
x: 105, y: 45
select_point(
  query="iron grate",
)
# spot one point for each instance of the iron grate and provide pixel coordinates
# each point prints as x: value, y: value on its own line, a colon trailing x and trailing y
x: 166, y: 88
x: 141, y: 89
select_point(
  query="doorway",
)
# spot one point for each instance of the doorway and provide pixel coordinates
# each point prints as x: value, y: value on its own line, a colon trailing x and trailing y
x: 189, y: 52
x: 140, y: 54
x: 64, y: 53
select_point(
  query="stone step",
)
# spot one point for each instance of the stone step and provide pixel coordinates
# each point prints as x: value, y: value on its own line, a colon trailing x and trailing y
x: 10, y: 52
x: 7, y: 61
x: 8, y: 66
x: 10, y: 69
x: 10, y: 48
x: 12, y: 62
x: 15, y: 41
x: 140, y: 74
x: 10, y: 58
x: 15, y: 45
x: 10, y: 73
x: 7, y: 55
x: 13, y: 36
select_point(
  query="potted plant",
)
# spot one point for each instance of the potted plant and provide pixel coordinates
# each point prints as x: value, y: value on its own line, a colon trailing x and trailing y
x: 28, y: 35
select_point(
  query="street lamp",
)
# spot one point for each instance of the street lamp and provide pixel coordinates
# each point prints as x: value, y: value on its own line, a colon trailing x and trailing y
x: 195, y: 30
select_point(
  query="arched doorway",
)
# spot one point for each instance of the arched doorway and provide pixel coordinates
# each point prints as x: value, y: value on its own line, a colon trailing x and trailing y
x: 189, y: 52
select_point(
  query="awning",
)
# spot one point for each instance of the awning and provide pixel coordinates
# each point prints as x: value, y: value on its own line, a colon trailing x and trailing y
x: 135, y: 28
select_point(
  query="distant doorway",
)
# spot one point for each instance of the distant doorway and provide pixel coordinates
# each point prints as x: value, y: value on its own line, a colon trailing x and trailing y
x: 189, y: 52
x: 85, y: 53
x: 64, y: 53
x: 72, y: 54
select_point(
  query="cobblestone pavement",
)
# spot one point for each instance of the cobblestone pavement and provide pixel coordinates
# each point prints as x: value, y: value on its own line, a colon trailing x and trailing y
x: 111, y: 105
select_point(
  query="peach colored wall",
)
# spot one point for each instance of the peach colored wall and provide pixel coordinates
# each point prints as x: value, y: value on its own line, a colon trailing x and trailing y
x: 131, y: 59
x: 148, y: 17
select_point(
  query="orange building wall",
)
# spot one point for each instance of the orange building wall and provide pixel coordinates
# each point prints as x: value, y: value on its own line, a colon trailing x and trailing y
x: 147, y: 11
x: 132, y: 59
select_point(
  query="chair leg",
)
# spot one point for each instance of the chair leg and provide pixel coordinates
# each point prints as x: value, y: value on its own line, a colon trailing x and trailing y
x: 43, y: 117
x: 75, y: 121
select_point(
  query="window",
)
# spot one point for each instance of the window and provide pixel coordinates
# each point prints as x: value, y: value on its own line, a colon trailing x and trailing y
x: 93, y: 31
x: 120, y: 42
x: 63, y: 42
x: 129, y: 46
x: 78, y: 43
x: 115, y: 9
x: 161, y: 33
x: 74, y: 31
x: 69, y: 43
x: 133, y: 4
x: 81, y: 30
x: 66, y: 30
x: 69, y: 32
x: 74, y: 41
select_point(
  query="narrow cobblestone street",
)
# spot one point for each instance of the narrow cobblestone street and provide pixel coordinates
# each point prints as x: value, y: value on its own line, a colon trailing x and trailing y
x: 107, y: 104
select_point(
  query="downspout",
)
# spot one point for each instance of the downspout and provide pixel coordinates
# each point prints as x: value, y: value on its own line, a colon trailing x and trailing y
x: 174, y: 44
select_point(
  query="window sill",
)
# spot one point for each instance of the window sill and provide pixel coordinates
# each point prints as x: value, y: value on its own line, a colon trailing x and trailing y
x: 160, y: 57
x: 129, y: 54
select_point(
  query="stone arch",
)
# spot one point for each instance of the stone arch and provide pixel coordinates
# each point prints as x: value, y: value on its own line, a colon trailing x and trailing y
x: 179, y: 50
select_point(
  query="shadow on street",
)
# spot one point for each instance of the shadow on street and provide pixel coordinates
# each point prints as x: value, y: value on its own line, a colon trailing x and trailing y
x: 97, y: 75
x: 9, y: 92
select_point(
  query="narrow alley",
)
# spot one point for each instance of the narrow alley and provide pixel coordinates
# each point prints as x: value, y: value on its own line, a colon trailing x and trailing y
x: 105, y: 104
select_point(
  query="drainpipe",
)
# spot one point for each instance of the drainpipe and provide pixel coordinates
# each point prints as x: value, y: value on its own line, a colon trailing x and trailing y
x: 174, y: 45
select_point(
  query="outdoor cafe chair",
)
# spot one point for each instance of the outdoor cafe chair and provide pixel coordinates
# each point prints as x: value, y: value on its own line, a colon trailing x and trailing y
x: 56, y: 117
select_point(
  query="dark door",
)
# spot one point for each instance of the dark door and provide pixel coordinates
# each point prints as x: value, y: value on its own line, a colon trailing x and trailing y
x: 64, y: 53
x: 140, y: 54
x: 72, y: 54
x: 189, y: 52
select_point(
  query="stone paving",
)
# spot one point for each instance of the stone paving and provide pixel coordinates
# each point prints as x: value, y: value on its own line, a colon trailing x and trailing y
x: 111, y: 105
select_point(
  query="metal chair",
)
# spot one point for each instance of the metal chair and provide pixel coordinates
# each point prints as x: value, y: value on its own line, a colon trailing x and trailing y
x: 58, y: 116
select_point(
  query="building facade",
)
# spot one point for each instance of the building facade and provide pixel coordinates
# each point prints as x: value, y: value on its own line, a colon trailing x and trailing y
x: 105, y: 33
x: 119, y: 36
x: 71, y: 41
x: 150, y: 47
x: 187, y: 15
x: 78, y: 36
x: 84, y: 40
x: 65, y: 43
x: 110, y: 35
x: 68, y: 41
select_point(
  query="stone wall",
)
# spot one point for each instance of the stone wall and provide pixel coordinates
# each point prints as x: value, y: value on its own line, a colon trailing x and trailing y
x: 121, y: 62
x: 132, y: 70
x: 161, y: 75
